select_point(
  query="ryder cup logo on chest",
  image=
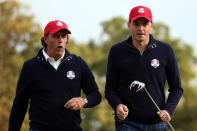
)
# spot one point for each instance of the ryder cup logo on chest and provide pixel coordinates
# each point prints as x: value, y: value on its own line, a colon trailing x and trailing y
x: 70, y: 75
x: 155, y: 63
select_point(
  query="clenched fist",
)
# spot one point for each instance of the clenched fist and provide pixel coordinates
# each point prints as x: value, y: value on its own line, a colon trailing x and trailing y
x: 122, y: 111
x: 164, y: 115
x: 75, y: 103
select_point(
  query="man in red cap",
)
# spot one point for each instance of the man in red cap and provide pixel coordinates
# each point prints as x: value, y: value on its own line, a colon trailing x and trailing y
x: 136, y: 63
x: 51, y: 84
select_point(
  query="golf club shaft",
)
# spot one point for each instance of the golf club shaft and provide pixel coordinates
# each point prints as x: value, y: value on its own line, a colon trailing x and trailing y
x: 157, y: 106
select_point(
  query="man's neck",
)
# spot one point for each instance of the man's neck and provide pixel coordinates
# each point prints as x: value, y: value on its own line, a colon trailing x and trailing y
x: 56, y: 57
x: 140, y: 45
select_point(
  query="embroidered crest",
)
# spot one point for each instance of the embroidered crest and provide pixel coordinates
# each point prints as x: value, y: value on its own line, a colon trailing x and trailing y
x: 70, y: 75
x: 59, y: 24
x: 141, y: 10
x: 155, y: 63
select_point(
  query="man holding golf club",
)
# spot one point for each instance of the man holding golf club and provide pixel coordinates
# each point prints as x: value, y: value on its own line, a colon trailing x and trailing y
x: 137, y: 71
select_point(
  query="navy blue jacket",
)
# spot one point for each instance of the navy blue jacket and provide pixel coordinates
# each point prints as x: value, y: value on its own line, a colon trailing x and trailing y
x: 156, y: 65
x: 48, y: 90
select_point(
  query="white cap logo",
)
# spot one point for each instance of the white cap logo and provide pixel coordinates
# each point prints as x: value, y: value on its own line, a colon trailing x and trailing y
x: 59, y: 24
x: 141, y: 10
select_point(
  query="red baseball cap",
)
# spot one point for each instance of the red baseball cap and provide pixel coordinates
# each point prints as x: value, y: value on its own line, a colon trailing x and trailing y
x: 140, y: 11
x: 54, y: 26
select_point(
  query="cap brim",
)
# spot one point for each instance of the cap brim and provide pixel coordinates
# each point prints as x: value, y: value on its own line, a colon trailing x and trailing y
x: 54, y: 31
x: 140, y: 17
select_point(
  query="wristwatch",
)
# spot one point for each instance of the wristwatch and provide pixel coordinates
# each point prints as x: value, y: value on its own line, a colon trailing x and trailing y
x: 86, y: 101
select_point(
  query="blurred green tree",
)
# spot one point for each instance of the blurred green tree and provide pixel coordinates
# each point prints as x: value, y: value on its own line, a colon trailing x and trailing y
x: 19, y: 38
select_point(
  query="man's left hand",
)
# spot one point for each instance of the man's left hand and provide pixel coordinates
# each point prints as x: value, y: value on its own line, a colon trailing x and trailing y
x: 164, y: 115
x: 75, y: 103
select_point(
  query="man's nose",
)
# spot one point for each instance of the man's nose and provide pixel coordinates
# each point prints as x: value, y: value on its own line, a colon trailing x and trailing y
x: 60, y: 38
x: 140, y: 27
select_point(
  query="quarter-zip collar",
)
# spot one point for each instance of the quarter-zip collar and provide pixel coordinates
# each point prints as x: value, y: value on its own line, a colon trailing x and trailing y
x: 151, y: 44
x: 52, y: 61
x: 40, y: 58
x: 47, y: 57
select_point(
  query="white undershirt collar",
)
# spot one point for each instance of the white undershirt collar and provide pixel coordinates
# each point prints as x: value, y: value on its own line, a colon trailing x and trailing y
x: 51, y: 60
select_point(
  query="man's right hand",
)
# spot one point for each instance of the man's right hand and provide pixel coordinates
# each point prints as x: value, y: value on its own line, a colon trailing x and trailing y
x: 122, y: 111
x: 164, y: 115
x: 75, y: 103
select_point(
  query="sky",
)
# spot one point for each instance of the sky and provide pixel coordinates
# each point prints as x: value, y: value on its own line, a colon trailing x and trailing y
x: 84, y: 17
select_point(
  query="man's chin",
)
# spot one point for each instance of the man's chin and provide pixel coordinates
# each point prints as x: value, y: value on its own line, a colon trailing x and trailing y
x: 140, y: 40
x: 60, y: 53
x: 141, y: 37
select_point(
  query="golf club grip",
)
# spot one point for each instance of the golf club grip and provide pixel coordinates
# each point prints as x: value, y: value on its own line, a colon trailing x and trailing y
x: 157, y: 106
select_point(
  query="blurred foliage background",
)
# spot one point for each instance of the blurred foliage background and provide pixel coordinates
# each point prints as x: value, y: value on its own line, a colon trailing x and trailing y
x: 20, y: 40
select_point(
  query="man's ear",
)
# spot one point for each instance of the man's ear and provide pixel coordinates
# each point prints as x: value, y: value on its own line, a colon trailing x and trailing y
x: 129, y: 24
x: 45, y: 39
x: 152, y: 25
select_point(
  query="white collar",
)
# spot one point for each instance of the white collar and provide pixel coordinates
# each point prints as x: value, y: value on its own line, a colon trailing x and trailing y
x: 48, y: 57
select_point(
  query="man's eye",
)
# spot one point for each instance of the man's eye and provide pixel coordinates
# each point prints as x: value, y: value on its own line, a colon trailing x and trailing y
x: 63, y: 35
x: 136, y: 24
x: 55, y: 36
x: 145, y: 24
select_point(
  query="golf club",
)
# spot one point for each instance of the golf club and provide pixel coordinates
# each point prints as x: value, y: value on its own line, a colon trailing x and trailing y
x: 141, y: 86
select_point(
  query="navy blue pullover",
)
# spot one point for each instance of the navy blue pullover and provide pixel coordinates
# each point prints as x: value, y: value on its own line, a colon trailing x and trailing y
x: 48, y: 90
x: 156, y: 65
